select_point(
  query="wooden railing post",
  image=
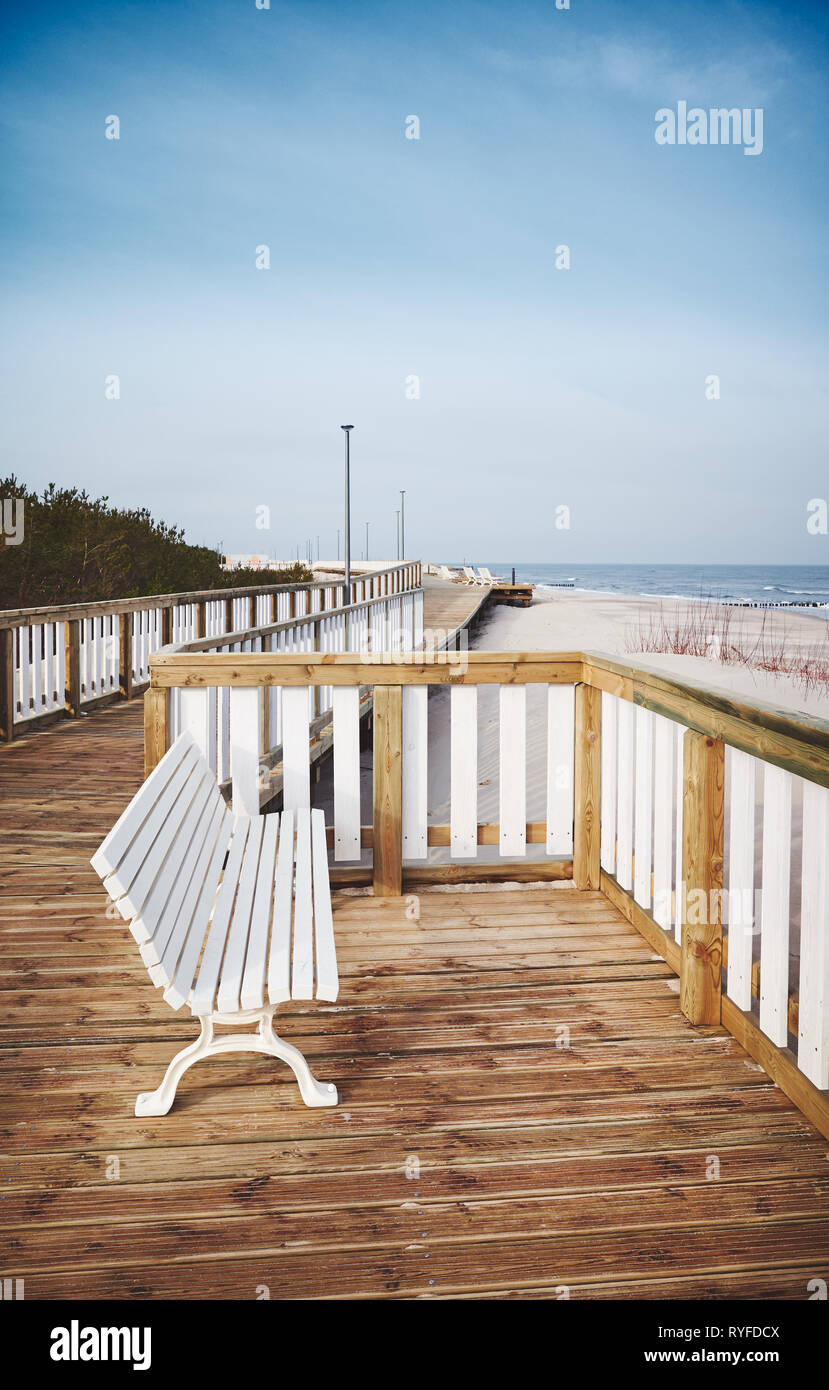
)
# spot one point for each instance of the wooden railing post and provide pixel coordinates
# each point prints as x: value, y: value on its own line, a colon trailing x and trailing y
x: 166, y: 625
x: 201, y: 618
x: 228, y: 615
x: 587, y: 775
x: 700, y: 976
x: 125, y: 654
x: 72, y: 647
x: 388, y: 791
x: 156, y: 727
x: 7, y: 700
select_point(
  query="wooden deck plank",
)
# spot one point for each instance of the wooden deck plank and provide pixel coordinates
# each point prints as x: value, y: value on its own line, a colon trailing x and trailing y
x: 538, y: 1164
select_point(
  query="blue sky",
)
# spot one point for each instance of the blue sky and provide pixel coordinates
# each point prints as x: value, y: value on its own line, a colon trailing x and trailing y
x: 393, y: 257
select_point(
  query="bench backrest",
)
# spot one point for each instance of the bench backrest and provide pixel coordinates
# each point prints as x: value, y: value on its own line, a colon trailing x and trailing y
x: 166, y: 847
x: 173, y: 863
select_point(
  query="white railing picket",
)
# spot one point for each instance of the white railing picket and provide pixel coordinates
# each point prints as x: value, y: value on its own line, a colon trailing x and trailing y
x: 813, y: 1004
x: 512, y: 783
x: 245, y: 738
x: 560, y: 759
x: 643, y: 816
x: 296, y: 762
x: 610, y: 727
x: 624, y: 795
x: 346, y: 705
x: 679, y: 886
x: 464, y: 771
x: 774, y: 906
x: 663, y: 820
x: 415, y: 771
x: 740, y: 896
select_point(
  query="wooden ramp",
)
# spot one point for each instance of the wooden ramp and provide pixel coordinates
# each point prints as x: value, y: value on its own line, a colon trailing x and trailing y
x: 524, y: 1111
x: 448, y: 606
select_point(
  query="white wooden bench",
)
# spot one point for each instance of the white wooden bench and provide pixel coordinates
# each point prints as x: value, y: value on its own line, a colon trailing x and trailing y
x: 232, y: 913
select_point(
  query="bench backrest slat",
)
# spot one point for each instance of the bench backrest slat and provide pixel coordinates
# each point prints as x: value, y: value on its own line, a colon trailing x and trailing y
x: 163, y: 818
x: 187, y: 916
x: 108, y: 857
x: 171, y: 912
x: 153, y: 920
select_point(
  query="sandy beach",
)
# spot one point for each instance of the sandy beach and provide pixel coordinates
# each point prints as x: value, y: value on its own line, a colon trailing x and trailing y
x: 562, y: 620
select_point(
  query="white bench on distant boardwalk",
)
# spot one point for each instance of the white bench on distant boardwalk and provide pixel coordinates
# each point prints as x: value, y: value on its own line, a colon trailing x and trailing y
x: 232, y: 913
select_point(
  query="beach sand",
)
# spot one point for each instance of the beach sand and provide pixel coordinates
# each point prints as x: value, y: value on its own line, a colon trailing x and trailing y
x: 610, y: 623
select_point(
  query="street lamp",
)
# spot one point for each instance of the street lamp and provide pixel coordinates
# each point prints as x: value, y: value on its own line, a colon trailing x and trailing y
x: 347, y: 429
x: 402, y: 523
x: 397, y: 514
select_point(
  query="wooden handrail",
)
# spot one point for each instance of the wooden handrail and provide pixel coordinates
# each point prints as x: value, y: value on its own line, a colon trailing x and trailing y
x: 798, y: 743
x: 226, y: 639
x: 56, y: 613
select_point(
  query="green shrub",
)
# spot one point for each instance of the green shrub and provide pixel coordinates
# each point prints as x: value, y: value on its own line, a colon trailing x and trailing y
x: 77, y: 549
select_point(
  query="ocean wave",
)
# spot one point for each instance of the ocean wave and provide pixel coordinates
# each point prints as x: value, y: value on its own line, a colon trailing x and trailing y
x: 807, y: 593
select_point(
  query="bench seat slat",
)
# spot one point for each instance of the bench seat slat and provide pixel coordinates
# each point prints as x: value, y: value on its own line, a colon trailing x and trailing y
x: 279, y: 964
x: 204, y: 995
x: 179, y: 991
x: 165, y: 933
x: 253, y: 981
x: 302, y: 975
x: 327, y: 981
x: 230, y: 984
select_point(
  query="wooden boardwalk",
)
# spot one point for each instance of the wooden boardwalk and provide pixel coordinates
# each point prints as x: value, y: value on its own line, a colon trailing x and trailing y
x: 448, y: 605
x: 523, y: 1108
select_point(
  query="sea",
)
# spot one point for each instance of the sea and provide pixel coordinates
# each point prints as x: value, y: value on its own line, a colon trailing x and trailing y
x: 800, y: 585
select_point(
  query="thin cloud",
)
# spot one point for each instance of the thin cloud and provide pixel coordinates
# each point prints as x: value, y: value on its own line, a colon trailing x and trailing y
x: 639, y: 70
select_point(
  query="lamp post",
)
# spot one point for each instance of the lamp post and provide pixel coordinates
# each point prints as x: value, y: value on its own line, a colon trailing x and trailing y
x: 347, y: 429
x: 397, y: 514
x: 402, y: 523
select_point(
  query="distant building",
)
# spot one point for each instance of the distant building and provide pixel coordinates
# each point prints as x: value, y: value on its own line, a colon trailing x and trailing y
x: 250, y: 562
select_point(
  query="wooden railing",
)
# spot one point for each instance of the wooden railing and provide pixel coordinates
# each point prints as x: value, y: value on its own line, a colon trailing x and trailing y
x: 67, y: 660
x: 388, y: 624
x: 649, y: 786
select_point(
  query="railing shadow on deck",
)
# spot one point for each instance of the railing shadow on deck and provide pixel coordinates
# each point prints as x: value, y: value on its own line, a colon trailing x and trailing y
x: 655, y: 792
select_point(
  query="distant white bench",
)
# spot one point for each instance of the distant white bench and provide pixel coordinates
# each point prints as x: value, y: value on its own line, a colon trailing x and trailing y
x: 232, y: 913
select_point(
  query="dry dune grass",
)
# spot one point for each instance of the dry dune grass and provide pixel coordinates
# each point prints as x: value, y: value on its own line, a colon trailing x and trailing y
x: 724, y: 633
